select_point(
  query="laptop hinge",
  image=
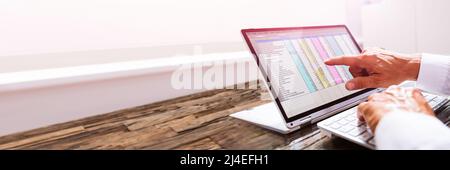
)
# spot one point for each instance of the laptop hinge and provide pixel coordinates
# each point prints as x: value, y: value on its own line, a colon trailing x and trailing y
x: 336, y: 111
x: 333, y: 112
x: 305, y: 121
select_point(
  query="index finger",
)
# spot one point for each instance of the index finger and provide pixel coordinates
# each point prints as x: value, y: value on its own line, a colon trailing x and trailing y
x: 348, y: 60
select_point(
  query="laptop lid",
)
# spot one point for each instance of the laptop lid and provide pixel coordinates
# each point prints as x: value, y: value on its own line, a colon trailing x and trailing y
x: 292, y: 63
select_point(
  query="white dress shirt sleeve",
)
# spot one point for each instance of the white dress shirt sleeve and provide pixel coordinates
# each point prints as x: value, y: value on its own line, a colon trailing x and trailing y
x: 409, y: 130
x: 434, y: 74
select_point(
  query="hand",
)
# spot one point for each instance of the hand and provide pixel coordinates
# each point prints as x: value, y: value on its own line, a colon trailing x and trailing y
x: 393, y: 99
x: 376, y: 68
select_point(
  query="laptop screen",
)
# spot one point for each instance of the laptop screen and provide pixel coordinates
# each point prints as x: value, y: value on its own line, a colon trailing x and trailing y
x: 293, y: 63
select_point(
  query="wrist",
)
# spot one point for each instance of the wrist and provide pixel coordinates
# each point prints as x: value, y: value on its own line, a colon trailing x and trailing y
x: 377, y: 119
x: 413, y: 67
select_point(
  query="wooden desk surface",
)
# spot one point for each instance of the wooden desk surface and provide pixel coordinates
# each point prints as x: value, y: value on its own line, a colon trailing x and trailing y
x: 199, y: 121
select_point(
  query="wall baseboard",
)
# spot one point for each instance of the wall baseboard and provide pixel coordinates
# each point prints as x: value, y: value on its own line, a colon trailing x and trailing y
x: 27, y: 105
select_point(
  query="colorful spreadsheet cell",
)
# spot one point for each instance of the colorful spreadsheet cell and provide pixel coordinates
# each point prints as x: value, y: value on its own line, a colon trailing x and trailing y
x: 324, y: 55
x: 308, y: 55
x: 301, y: 67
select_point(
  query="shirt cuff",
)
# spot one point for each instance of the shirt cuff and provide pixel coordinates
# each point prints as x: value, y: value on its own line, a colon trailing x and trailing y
x: 411, y: 130
x: 434, y: 74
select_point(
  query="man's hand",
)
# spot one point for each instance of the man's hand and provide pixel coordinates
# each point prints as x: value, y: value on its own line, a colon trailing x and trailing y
x: 376, y: 68
x: 393, y: 99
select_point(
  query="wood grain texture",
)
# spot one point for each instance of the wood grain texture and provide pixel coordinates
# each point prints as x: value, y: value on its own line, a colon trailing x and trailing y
x: 199, y: 121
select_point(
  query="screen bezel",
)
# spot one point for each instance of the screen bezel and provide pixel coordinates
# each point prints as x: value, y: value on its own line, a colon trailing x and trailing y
x: 267, y: 80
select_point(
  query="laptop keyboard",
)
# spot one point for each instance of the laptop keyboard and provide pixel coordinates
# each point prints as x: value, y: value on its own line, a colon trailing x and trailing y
x: 347, y: 124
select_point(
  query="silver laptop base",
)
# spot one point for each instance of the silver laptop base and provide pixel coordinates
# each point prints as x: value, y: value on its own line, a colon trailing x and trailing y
x: 266, y: 116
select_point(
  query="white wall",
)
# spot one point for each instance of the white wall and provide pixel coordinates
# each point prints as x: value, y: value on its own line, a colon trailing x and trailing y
x: 408, y: 25
x: 162, y: 27
x: 390, y: 24
x: 433, y: 26
x: 35, y: 26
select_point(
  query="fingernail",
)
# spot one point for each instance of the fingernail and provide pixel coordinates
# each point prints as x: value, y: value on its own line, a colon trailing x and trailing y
x: 350, y: 86
x: 417, y: 92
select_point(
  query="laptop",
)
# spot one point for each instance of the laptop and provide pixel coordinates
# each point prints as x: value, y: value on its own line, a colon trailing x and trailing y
x: 305, y: 91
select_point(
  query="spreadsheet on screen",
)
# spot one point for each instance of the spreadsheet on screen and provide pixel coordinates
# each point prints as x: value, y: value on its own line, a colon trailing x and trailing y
x: 294, y: 63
